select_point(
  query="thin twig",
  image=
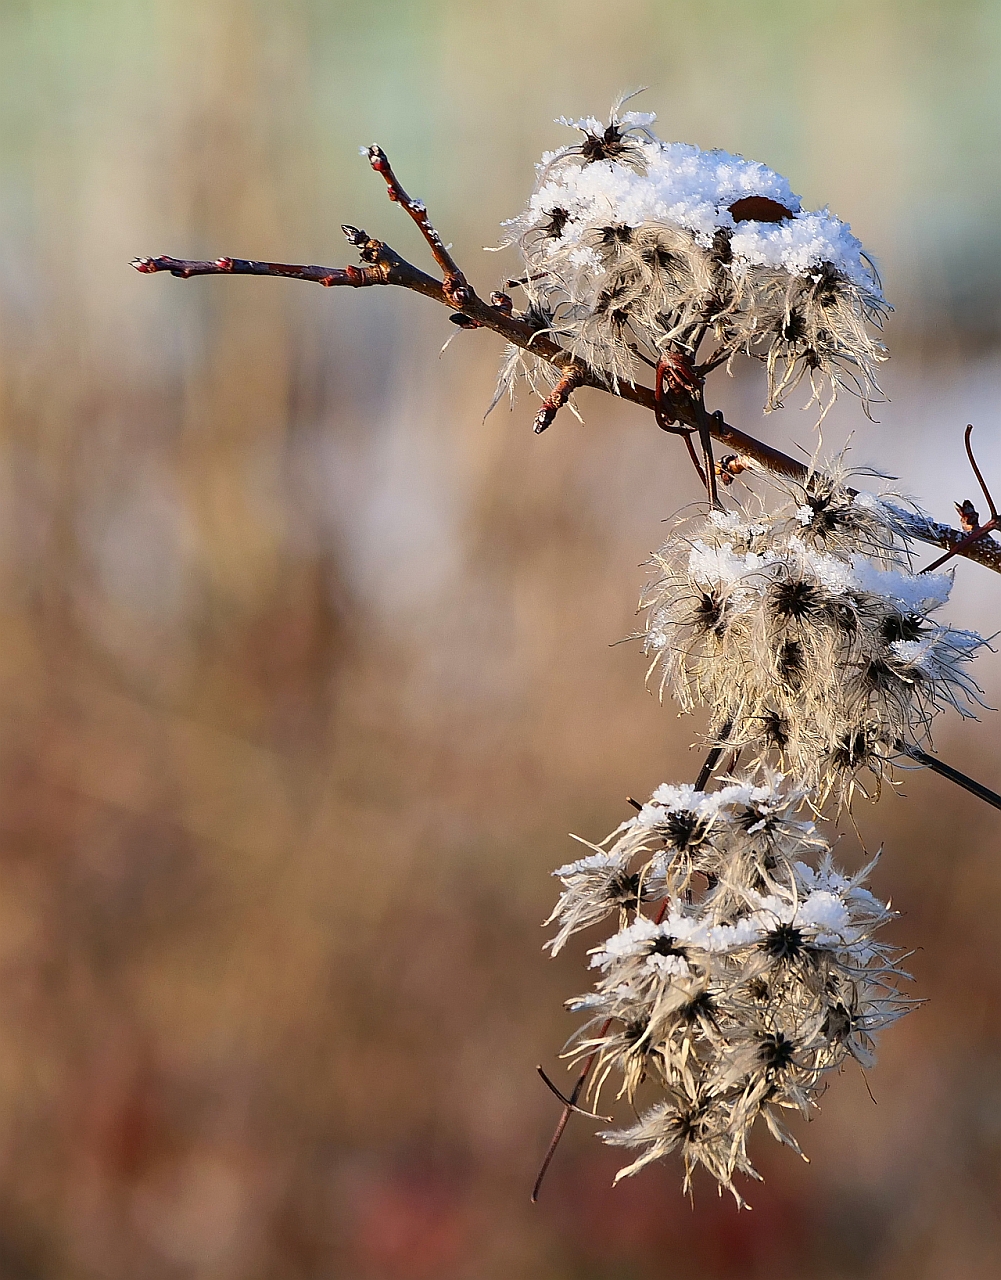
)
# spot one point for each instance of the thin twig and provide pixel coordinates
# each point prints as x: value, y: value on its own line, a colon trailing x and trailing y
x: 674, y: 379
x: 456, y: 289
x: 979, y: 530
x: 693, y: 454
x: 976, y: 471
x: 354, y: 276
x: 705, y: 437
x: 712, y: 759
x: 568, y: 1110
x: 590, y: 1115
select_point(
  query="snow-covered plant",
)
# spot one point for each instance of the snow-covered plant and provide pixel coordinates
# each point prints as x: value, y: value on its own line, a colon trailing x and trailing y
x: 742, y: 966
x: 634, y: 246
x: 805, y: 633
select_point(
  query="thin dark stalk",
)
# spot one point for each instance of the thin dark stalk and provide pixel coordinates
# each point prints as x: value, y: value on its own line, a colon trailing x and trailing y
x: 947, y: 771
x: 981, y: 530
x: 590, y: 1115
x: 976, y: 471
x: 712, y: 759
x: 564, y: 1120
x: 707, y: 453
x: 693, y: 454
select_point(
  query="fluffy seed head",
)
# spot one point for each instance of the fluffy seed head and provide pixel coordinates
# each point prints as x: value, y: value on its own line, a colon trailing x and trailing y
x: 737, y: 998
x: 632, y: 244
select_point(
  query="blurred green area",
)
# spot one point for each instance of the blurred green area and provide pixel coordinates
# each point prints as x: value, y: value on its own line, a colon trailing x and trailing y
x: 307, y: 670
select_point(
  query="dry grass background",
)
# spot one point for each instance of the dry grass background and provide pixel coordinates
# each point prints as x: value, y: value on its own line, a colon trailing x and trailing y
x: 306, y: 671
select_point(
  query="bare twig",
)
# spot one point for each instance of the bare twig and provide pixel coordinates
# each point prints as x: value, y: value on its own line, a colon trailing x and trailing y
x: 454, y: 285
x: 384, y: 266
x: 712, y: 759
x: 355, y: 276
x: 590, y: 1115
x: 570, y: 1106
x: 976, y: 471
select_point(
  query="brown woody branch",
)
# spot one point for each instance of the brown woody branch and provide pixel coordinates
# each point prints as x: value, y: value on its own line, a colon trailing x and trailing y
x: 384, y: 266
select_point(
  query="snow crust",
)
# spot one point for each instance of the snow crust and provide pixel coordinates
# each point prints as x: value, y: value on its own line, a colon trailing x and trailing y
x: 679, y: 184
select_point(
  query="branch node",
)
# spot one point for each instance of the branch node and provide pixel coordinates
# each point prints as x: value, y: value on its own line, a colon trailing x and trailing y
x: 676, y: 380
x: 730, y: 466
x: 969, y: 516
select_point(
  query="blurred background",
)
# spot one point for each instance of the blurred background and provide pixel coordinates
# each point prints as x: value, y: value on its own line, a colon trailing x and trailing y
x: 306, y: 670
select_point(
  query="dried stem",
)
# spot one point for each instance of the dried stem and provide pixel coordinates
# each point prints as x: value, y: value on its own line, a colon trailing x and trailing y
x: 579, y: 1111
x: 677, y: 380
x: 569, y: 1108
x: 384, y: 266
x: 977, y: 472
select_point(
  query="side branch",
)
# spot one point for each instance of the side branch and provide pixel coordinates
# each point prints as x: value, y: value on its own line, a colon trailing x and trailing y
x: 183, y: 268
x: 953, y: 775
x: 455, y: 287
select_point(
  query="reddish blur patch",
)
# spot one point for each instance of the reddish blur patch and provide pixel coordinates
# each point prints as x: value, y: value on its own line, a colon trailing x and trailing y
x: 647, y: 1224
x: 408, y: 1227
